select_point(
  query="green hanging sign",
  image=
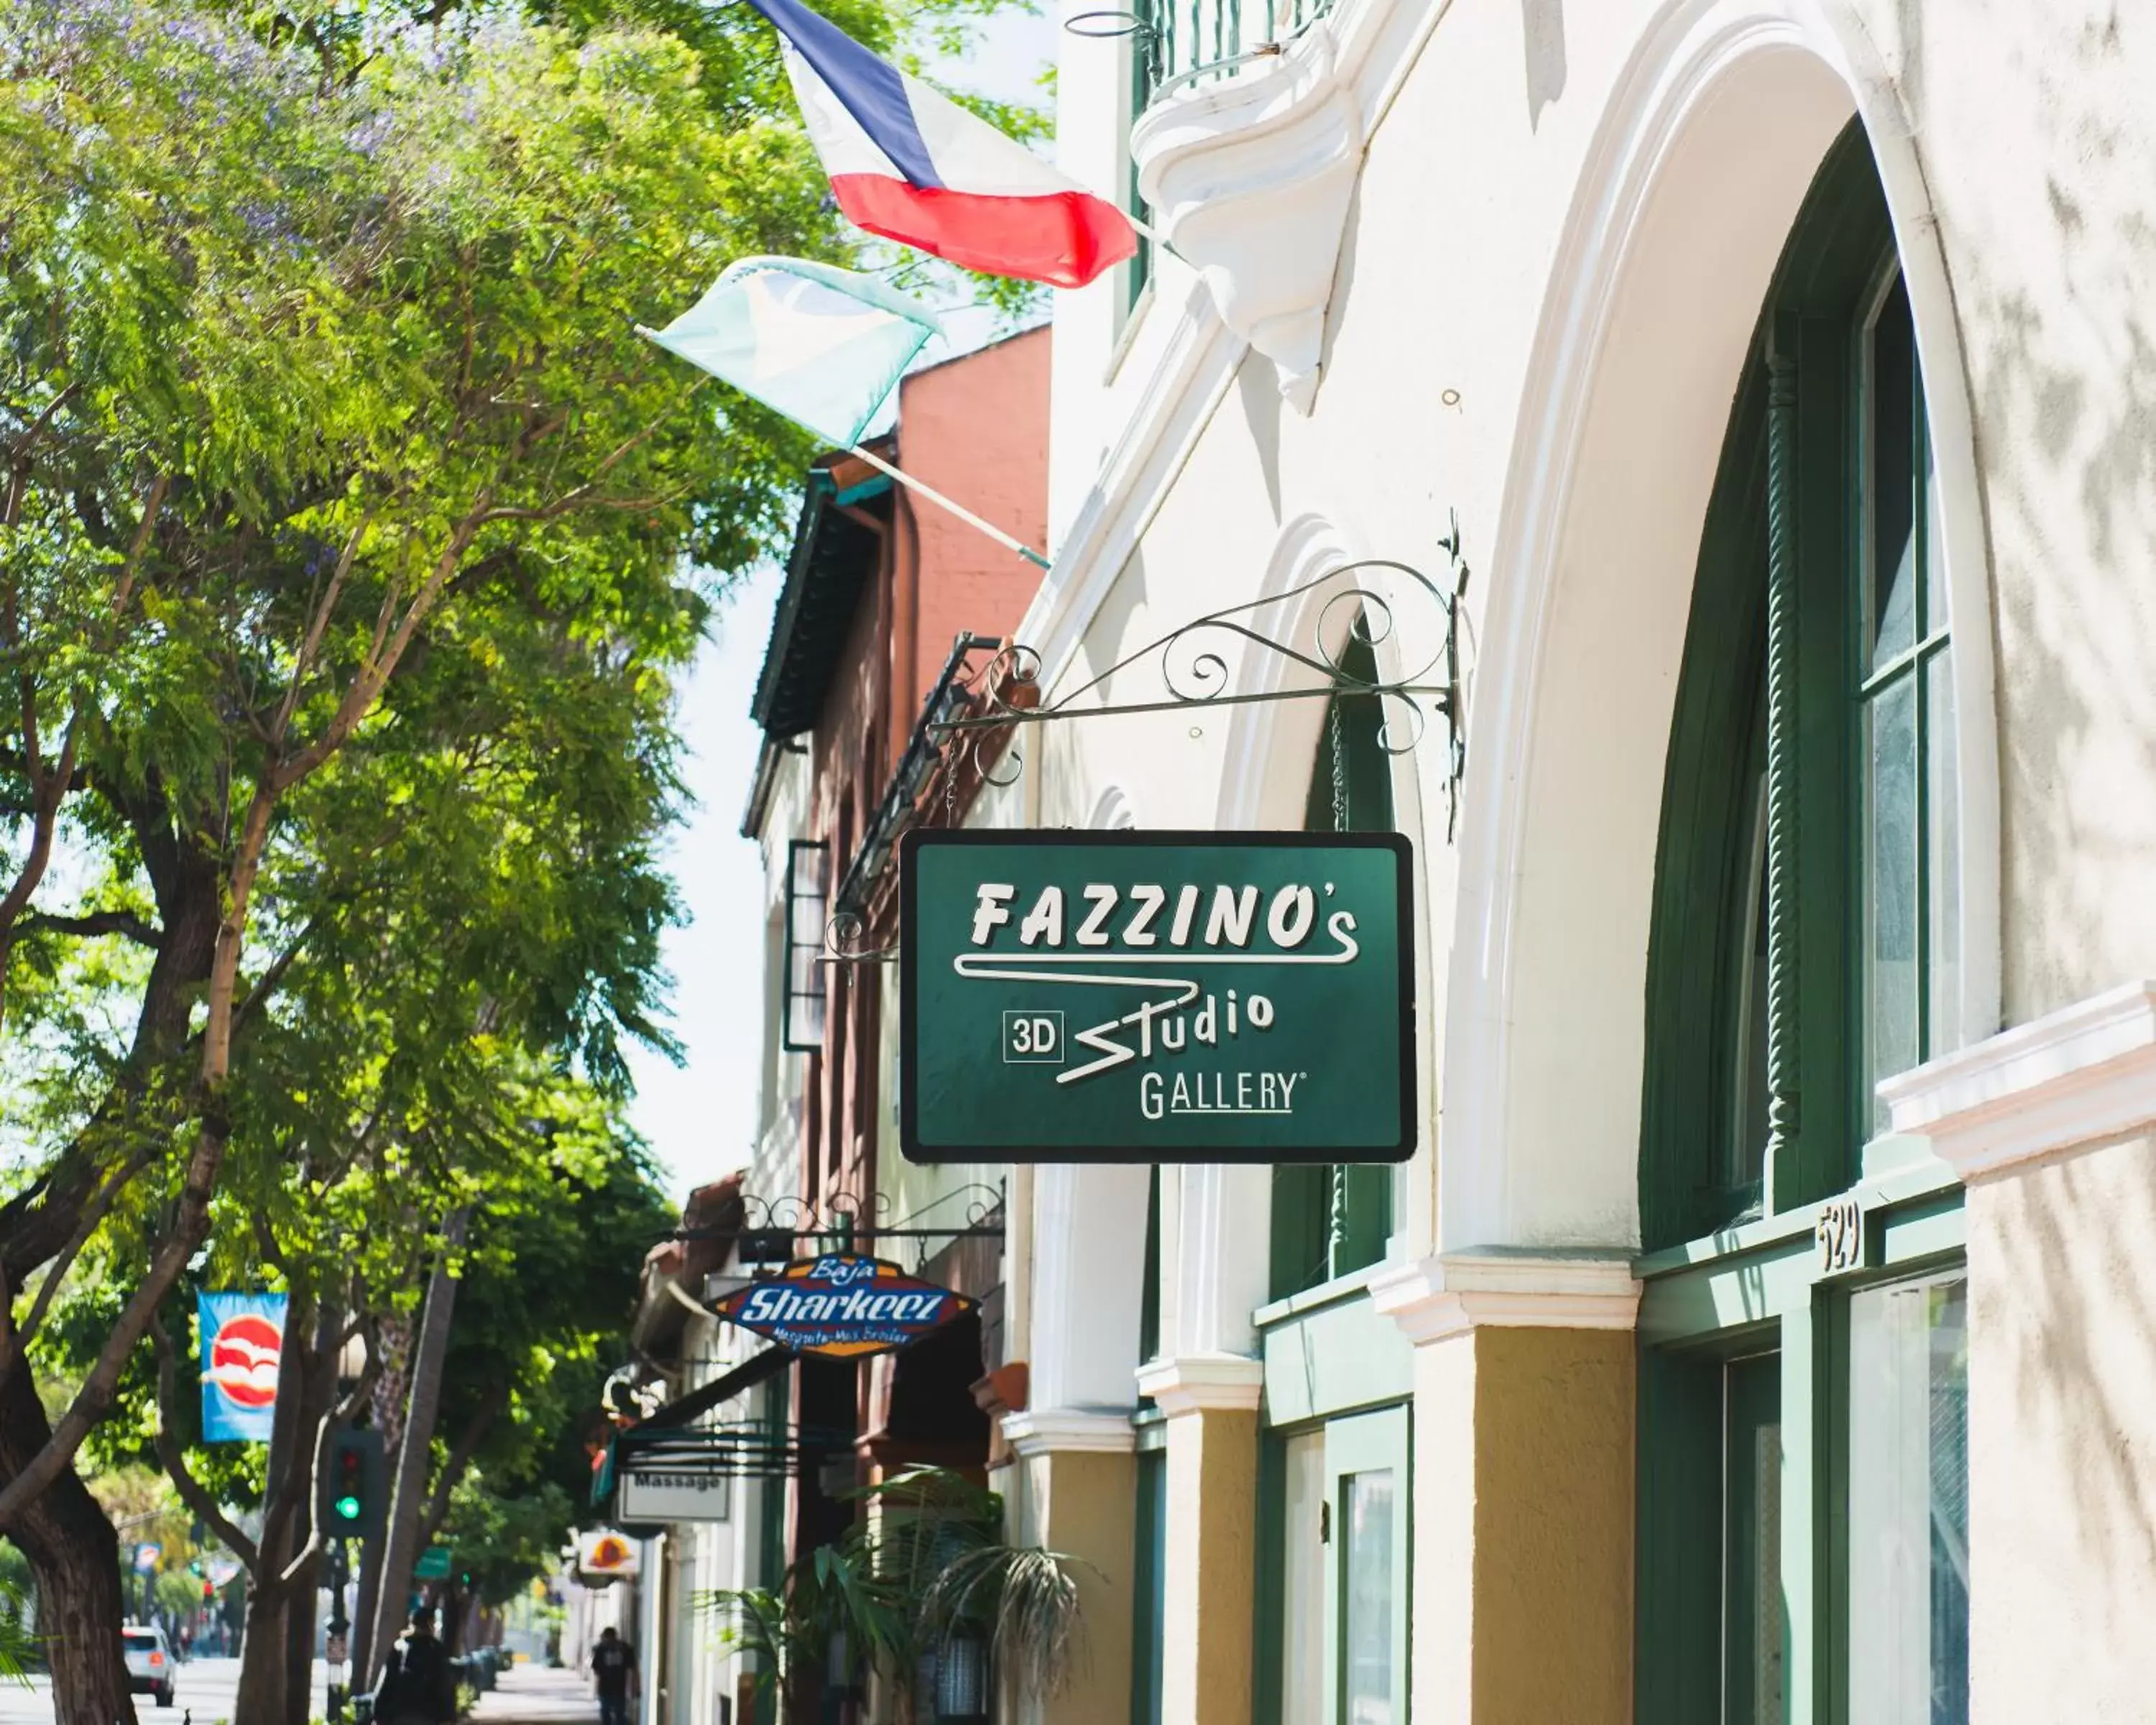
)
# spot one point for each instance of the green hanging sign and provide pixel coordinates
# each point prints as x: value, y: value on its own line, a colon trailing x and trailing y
x: 1157, y: 996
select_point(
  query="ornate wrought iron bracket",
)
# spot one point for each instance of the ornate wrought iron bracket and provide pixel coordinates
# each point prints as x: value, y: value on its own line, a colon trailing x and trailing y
x: 771, y: 1229
x: 967, y: 730
x: 1194, y: 665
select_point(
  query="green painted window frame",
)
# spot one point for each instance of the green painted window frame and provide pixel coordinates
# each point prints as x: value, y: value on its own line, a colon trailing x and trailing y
x: 1732, y: 1273
x: 1149, y: 1586
x: 1328, y: 1222
x: 1381, y: 1437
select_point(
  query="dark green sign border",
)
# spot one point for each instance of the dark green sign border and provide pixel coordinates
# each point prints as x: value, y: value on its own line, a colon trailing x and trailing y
x: 910, y: 1144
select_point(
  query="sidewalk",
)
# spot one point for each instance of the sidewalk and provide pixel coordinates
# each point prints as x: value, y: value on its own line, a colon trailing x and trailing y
x: 536, y: 1695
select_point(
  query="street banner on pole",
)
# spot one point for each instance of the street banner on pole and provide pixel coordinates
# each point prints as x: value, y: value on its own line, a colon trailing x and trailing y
x: 242, y: 1339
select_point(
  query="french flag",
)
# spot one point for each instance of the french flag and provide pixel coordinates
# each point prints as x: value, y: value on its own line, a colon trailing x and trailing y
x: 915, y: 167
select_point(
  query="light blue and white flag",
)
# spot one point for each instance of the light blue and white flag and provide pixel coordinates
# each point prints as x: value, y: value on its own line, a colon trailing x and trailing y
x: 821, y: 344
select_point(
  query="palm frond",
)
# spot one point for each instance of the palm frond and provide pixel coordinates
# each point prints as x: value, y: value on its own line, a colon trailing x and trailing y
x: 1027, y: 1597
x: 19, y: 1647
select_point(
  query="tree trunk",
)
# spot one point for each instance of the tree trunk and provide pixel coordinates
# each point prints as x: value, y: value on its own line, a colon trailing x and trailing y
x: 261, y: 1693
x: 400, y: 1544
x: 300, y: 1643
x: 279, y: 1612
x: 392, y: 1390
x: 75, y: 1556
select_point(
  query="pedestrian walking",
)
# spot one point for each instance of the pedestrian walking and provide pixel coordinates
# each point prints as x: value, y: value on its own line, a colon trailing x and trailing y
x: 418, y: 1691
x: 614, y: 1663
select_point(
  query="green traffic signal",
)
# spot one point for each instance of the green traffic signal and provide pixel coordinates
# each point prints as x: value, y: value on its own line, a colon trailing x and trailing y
x: 347, y: 1508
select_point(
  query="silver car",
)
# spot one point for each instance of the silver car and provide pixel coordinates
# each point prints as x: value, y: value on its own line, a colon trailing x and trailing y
x: 150, y: 1664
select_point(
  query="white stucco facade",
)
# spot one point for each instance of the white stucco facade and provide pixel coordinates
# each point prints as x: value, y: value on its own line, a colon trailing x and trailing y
x: 1553, y: 227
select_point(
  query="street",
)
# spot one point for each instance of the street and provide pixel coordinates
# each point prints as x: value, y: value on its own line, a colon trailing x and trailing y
x: 526, y: 1695
x: 205, y: 1686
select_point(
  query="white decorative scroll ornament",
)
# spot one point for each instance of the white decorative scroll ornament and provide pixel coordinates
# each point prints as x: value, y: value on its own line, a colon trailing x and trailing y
x: 1249, y: 177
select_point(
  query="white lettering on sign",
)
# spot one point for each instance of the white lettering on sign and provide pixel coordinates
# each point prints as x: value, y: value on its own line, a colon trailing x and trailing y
x: 1229, y: 920
x: 1223, y: 920
x: 1148, y: 900
x: 781, y: 1304
x: 1160, y: 1095
x: 990, y: 909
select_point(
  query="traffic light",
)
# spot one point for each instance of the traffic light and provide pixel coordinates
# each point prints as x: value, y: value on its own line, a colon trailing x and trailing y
x: 353, y: 1484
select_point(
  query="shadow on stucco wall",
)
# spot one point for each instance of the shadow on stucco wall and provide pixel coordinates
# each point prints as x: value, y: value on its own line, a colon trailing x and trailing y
x: 2065, y: 1319
x: 1543, y: 30
x: 2060, y: 329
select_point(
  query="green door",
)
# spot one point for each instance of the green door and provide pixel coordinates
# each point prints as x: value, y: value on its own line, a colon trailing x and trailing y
x: 1366, y: 1568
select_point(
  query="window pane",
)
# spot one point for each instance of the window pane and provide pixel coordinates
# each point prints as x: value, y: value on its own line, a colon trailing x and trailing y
x: 1935, y: 617
x: 1893, y: 440
x: 1302, y: 1589
x: 1754, y: 1635
x: 1366, y: 1581
x: 1890, y: 906
x: 1908, y: 1634
x: 1942, y: 856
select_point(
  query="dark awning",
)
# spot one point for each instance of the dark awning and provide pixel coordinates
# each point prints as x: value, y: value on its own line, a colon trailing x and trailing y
x: 725, y: 1387
x: 836, y: 554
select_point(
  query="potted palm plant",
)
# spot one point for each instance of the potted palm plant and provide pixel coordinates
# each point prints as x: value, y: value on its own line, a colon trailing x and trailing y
x: 923, y: 1592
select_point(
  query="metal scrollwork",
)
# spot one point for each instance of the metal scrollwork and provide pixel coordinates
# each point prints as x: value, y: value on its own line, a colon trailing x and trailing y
x: 845, y: 942
x: 1196, y: 666
x: 781, y: 1226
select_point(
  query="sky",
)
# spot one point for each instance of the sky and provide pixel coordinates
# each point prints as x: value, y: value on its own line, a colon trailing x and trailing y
x: 700, y: 1117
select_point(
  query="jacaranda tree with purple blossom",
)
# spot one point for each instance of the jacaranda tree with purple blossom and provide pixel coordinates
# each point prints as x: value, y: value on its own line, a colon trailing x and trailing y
x: 349, y: 537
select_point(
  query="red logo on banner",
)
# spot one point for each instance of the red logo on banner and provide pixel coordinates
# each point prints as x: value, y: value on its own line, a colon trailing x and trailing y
x: 243, y: 1359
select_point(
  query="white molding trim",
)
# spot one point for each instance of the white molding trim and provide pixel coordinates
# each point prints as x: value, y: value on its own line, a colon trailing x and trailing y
x: 1250, y: 178
x: 1454, y: 1293
x: 1681, y: 59
x: 1204, y: 1383
x: 2083, y: 1075
x: 1063, y: 1431
x: 1377, y: 44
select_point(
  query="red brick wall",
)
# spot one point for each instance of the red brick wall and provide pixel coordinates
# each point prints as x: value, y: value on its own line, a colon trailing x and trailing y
x: 977, y: 429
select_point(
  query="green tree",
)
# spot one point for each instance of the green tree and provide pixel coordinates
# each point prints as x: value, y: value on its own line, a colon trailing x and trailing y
x: 336, y: 477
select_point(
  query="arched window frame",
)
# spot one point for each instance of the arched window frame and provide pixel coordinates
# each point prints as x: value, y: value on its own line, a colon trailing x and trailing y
x: 1766, y: 837
x: 1805, y: 1311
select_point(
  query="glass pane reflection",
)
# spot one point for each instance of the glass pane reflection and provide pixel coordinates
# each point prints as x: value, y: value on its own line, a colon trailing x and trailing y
x: 1366, y: 1609
x: 1908, y: 1631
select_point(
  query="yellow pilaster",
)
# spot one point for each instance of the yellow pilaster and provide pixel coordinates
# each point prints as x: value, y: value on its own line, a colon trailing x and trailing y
x: 1076, y: 1492
x: 1211, y: 1573
x: 1524, y: 1415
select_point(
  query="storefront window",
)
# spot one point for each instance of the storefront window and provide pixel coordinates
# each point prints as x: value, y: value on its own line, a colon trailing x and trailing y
x: 1806, y: 946
x: 1908, y: 1505
x: 1368, y: 1607
x: 1904, y: 687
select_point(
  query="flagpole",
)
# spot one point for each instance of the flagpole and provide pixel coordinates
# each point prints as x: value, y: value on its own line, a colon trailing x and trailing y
x: 959, y: 510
